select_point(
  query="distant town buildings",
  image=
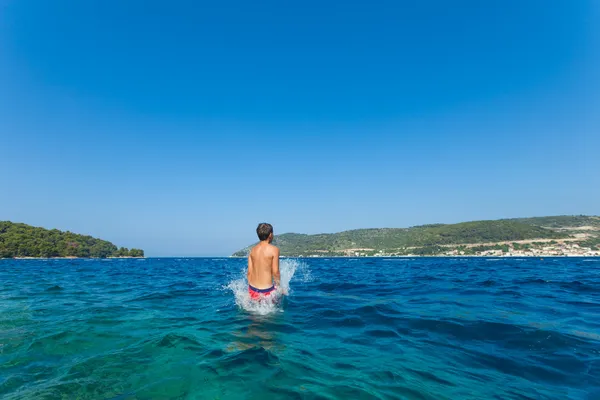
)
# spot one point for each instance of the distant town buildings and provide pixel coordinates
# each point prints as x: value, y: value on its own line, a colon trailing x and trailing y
x: 562, y: 249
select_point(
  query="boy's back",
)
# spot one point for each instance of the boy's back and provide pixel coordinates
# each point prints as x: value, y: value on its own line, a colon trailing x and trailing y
x: 263, y: 264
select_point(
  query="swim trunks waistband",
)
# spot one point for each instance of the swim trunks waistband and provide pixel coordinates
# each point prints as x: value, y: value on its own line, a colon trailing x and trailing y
x: 261, y: 290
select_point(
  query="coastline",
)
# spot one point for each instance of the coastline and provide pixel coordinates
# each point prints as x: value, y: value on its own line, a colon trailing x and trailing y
x: 448, y: 256
x: 64, y: 258
x: 321, y: 256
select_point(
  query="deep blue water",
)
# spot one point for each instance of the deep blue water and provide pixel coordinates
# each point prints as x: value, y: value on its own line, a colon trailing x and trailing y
x: 421, y: 328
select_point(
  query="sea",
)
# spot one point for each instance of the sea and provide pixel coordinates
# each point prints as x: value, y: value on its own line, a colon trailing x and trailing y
x: 350, y: 328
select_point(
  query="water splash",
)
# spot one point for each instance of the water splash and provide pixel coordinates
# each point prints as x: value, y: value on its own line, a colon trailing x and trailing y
x: 272, y: 303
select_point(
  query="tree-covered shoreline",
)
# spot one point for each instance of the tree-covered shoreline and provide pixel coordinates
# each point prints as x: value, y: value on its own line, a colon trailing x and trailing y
x: 19, y: 240
x: 465, y: 238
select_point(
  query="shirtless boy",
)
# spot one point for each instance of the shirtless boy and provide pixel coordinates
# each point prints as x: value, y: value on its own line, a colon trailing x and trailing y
x: 263, y: 265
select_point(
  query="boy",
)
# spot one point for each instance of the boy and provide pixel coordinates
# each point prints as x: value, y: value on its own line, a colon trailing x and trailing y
x: 263, y: 265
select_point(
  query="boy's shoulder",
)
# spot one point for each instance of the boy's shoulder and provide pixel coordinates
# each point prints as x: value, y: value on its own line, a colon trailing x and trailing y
x: 271, y: 248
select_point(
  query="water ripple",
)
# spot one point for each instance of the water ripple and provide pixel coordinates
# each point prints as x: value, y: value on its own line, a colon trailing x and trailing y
x: 423, y: 328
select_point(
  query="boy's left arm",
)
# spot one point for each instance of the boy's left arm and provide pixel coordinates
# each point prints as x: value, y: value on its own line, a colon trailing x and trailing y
x: 250, y: 268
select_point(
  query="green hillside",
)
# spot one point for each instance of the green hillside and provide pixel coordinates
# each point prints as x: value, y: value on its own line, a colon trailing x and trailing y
x: 21, y: 240
x: 562, y: 221
x: 429, y: 239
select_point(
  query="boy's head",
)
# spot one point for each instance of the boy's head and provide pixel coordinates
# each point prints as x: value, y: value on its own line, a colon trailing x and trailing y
x: 264, y: 231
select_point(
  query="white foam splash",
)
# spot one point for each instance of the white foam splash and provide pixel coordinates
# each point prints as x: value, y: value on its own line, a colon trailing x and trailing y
x: 272, y: 303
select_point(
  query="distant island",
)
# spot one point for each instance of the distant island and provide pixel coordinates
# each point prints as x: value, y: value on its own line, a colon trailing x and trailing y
x: 538, y: 236
x: 25, y: 241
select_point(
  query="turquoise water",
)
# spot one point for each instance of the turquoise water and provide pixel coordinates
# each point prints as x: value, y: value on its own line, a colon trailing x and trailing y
x: 350, y: 329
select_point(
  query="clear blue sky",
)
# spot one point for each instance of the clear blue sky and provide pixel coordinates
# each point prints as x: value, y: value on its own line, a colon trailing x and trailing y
x: 177, y: 126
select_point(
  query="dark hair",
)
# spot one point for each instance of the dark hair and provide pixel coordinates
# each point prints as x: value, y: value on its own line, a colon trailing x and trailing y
x: 264, y: 230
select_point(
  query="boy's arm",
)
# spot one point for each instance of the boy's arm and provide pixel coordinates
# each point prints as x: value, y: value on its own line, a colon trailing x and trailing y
x: 250, y: 268
x: 275, y: 267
